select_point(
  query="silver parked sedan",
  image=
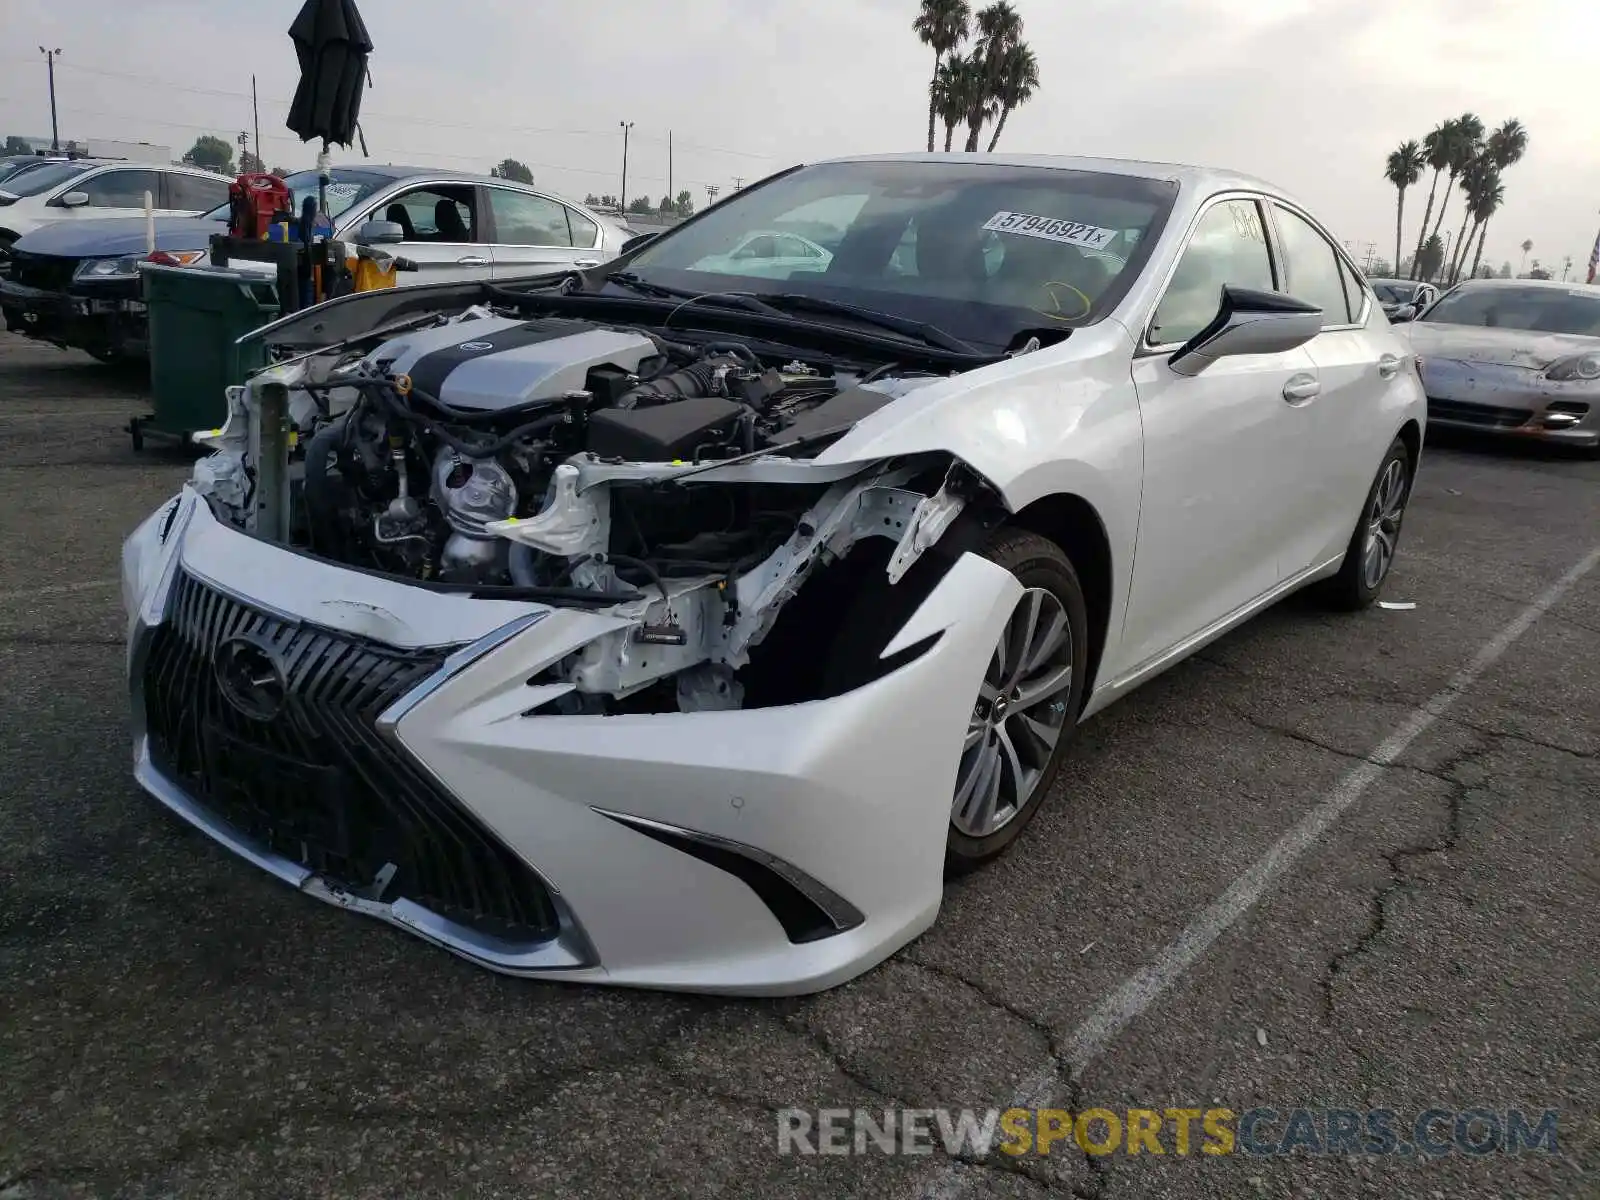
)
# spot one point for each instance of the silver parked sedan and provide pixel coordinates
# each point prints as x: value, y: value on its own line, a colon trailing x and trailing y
x: 1513, y: 356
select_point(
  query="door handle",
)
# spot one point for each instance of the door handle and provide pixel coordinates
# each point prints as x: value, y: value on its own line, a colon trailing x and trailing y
x: 1389, y: 366
x: 472, y: 260
x: 586, y: 262
x: 1301, y: 389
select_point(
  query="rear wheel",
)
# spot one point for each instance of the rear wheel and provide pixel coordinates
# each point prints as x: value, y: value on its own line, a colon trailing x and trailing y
x: 1370, y: 555
x: 1026, y: 708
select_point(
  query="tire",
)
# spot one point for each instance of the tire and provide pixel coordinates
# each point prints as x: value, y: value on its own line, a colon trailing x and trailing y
x: 1042, y: 568
x: 874, y: 617
x: 1354, y: 587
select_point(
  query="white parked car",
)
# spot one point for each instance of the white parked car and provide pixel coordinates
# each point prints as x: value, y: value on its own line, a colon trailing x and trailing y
x: 85, y: 189
x: 769, y: 254
x: 78, y: 285
x: 684, y: 629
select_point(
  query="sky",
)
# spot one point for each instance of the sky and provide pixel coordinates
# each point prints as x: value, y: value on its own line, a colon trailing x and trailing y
x: 1310, y: 94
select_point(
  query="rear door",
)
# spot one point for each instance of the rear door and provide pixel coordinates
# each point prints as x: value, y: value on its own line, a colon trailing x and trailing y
x: 532, y: 234
x: 1222, y: 448
x: 1349, y: 433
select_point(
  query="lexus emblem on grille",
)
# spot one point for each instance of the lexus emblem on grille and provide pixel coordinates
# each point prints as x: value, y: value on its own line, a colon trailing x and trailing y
x: 476, y: 346
x: 249, y: 677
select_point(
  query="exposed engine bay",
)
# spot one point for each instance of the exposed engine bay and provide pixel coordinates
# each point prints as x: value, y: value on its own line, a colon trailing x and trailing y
x: 573, y: 462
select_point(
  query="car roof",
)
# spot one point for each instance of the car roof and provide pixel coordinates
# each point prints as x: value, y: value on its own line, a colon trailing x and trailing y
x: 1208, y: 179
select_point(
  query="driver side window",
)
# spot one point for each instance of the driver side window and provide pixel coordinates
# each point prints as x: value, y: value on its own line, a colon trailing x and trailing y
x: 1228, y: 247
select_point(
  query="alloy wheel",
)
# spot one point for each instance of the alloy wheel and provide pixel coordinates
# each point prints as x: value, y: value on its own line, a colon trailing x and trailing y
x: 1020, y: 714
x: 1383, y: 524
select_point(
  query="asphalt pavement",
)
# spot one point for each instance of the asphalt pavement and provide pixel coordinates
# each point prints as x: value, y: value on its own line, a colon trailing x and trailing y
x: 1346, y: 862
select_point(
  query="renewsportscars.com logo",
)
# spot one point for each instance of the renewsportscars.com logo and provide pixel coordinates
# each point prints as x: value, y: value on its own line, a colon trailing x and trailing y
x: 1178, y: 1132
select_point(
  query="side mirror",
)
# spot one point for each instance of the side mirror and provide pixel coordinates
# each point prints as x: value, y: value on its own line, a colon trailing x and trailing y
x: 1406, y: 312
x: 1249, y: 322
x: 73, y: 200
x: 380, y: 233
x: 637, y: 240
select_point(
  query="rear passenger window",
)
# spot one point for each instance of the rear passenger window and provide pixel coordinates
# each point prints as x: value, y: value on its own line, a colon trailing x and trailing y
x: 1316, y: 273
x: 195, y: 193
x: 1229, y: 246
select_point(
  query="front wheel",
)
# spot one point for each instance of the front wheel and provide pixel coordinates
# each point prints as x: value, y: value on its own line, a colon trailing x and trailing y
x: 1026, y: 708
x: 1370, y: 555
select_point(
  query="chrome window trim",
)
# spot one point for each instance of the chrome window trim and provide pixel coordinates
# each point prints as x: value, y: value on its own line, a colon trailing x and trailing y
x: 523, y: 190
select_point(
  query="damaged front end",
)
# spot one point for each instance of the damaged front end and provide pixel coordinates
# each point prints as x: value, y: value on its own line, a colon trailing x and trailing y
x: 562, y: 647
x: 570, y: 464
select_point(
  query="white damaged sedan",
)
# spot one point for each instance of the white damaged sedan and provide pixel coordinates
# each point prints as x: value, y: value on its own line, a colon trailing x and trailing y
x: 683, y: 628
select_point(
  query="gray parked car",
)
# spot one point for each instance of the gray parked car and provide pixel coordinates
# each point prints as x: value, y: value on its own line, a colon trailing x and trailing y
x: 1513, y: 356
x: 77, y: 285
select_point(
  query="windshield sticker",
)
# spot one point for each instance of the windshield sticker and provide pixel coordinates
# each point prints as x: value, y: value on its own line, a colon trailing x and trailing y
x: 1074, y: 233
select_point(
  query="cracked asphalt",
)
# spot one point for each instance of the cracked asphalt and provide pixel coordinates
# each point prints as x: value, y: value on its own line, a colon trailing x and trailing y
x: 173, y: 1022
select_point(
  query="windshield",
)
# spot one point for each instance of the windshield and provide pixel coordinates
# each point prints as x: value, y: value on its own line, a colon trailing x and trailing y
x: 984, y: 251
x: 346, y: 188
x: 1537, y: 309
x: 1394, y: 293
x: 37, y: 180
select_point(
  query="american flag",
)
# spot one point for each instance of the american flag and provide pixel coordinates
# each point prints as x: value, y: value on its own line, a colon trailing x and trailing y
x: 1594, y: 259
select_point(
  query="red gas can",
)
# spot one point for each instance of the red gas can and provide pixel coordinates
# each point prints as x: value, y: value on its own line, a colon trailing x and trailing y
x: 254, y: 199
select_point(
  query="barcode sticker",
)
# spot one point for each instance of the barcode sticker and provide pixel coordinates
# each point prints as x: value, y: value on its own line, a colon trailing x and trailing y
x: 1051, y: 229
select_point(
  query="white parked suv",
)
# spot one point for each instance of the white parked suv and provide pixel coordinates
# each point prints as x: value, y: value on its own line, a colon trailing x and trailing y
x: 85, y: 188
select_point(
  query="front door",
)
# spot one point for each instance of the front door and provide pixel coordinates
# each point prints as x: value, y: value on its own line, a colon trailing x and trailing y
x: 1221, y: 448
x: 443, y: 226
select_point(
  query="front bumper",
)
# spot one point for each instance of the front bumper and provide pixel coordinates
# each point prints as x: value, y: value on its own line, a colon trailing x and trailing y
x: 104, y: 317
x: 1510, y: 401
x: 674, y: 849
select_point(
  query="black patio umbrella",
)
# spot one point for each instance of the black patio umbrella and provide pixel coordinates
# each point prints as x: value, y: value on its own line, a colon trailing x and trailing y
x: 331, y: 41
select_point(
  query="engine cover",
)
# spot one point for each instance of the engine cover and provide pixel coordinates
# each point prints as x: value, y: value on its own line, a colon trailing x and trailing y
x: 497, y: 362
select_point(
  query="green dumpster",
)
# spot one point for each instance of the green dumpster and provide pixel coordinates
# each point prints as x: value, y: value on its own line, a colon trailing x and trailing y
x: 197, y: 315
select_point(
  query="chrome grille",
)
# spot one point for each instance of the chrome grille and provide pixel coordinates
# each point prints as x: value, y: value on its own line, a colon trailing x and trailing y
x: 306, y: 773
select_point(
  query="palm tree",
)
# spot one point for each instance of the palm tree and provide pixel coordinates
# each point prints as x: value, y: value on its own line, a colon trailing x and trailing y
x: 1486, y: 199
x: 1464, y: 145
x: 1431, y: 257
x: 1508, y: 144
x: 1436, y: 152
x: 1019, y: 76
x: 999, y: 29
x: 950, y: 87
x: 1527, y: 245
x: 1403, y: 169
x: 942, y: 25
x: 1477, y: 177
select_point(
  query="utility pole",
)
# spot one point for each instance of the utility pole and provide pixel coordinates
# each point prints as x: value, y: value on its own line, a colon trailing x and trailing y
x: 1367, y: 266
x: 255, y: 108
x: 738, y: 182
x: 55, y: 132
x: 711, y: 193
x: 622, y: 205
x: 244, y: 148
x: 671, y: 195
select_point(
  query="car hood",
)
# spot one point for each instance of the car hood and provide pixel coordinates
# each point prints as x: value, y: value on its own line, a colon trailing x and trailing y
x: 108, y: 237
x: 1501, y: 347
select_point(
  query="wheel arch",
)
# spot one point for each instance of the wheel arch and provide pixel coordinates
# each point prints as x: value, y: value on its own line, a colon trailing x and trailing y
x: 1411, y: 434
x: 1072, y: 523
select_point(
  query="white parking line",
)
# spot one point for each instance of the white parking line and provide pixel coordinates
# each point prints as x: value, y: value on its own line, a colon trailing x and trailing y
x: 59, y: 589
x: 1119, y: 1007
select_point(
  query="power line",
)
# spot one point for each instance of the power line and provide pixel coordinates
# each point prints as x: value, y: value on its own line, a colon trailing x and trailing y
x: 421, y: 156
x: 406, y: 117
